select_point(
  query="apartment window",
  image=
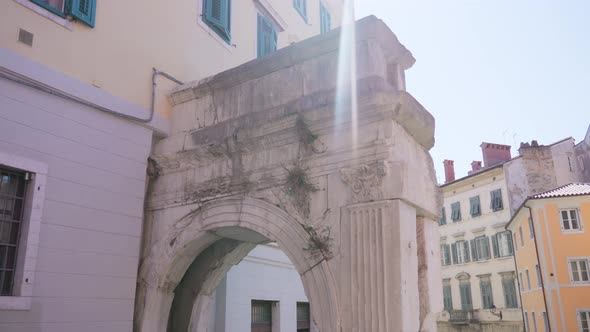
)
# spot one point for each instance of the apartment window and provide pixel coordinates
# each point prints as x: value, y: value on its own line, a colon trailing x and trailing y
x: 528, y: 279
x: 502, y: 244
x: 487, y: 298
x: 82, y: 10
x: 515, y: 243
x: 480, y: 248
x: 474, y: 206
x: 531, y: 229
x: 12, y: 202
x: 303, y: 317
x: 545, y: 322
x: 520, y: 281
x: 460, y: 252
x: 496, y: 203
x: 510, y: 296
x: 325, y: 19
x: 267, y: 36
x: 301, y: 7
x: 445, y: 254
x: 443, y: 217
x: 570, y: 221
x: 538, y: 275
x: 579, y: 270
x: 465, y: 291
x: 584, y: 320
x: 217, y: 15
x: 534, y: 319
x: 521, y: 236
x: 447, y: 295
x: 261, y: 316
x: 456, y: 212
x: 526, y: 321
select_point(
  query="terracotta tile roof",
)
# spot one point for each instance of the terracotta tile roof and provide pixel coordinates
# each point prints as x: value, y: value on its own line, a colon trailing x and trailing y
x: 572, y: 189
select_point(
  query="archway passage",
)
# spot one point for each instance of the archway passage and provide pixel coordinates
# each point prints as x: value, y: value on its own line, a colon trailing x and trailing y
x: 273, y: 150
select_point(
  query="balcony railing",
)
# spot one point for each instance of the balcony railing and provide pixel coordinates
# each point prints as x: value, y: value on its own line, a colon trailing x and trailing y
x: 461, y: 316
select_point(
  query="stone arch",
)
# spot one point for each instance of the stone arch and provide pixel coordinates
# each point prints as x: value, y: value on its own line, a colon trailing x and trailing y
x: 190, y: 235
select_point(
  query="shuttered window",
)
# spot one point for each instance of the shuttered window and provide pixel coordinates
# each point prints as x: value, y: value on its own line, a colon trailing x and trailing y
x: 82, y: 10
x: 445, y: 254
x: 485, y: 286
x: 474, y: 206
x: 502, y: 244
x: 460, y: 252
x: 267, y: 36
x: 325, y: 19
x: 443, y: 217
x: 447, y: 295
x: 480, y: 248
x: 465, y: 291
x: 456, y: 211
x: 301, y: 7
x: 496, y: 203
x: 217, y: 15
x: 510, y: 296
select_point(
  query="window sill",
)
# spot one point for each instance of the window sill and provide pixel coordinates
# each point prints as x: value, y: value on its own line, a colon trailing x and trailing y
x: 15, y: 303
x: 46, y: 13
x: 572, y: 232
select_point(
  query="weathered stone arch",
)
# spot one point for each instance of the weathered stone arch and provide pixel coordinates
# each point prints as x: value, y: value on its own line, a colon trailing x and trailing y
x: 170, y: 258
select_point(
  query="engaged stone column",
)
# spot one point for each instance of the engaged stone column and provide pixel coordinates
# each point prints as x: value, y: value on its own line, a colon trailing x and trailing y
x: 380, y: 267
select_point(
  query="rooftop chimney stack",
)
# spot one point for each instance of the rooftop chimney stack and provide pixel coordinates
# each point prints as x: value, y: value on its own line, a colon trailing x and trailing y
x: 494, y: 154
x: 449, y: 170
x: 475, y: 166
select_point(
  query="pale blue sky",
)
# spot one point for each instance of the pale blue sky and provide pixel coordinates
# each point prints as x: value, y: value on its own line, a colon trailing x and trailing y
x: 501, y: 71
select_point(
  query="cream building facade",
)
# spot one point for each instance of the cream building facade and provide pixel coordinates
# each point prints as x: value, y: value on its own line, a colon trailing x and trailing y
x: 79, y: 82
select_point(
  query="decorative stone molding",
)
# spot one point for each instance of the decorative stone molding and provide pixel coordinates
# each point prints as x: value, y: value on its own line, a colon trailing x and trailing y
x: 365, y: 181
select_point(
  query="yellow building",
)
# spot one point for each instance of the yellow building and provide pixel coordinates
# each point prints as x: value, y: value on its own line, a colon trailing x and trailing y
x: 552, y: 253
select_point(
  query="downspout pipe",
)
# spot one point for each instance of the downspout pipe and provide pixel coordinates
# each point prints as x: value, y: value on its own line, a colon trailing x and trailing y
x: 517, y: 278
x: 52, y: 91
x: 539, y: 262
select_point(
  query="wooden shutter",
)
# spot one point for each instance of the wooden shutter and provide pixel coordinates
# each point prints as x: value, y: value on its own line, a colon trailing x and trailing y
x: 443, y: 217
x: 474, y: 250
x: 466, y: 248
x: 267, y: 36
x: 217, y: 13
x: 510, y: 244
x: 486, y: 246
x: 325, y: 19
x: 495, y: 246
x: 454, y: 252
x: 84, y: 11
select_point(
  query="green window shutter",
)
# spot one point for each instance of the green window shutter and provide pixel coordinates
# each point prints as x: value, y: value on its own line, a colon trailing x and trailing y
x: 267, y: 36
x: 83, y: 10
x: 486, y: 248
x: 495, y: 246
x: 443, y: 217
x: 301, y: 7
x: 454, y: 252
x: 466, y: 248
x: 475, y: 208
x: 474, y: 250
x: 465, y: 290
x: 448, y: 297
x: 456, y: 211
x: 325, y: 19
x: 510, y: 244
x: 217, y: 14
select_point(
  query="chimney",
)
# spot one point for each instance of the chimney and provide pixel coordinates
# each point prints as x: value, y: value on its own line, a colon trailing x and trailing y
x: 449, y: 171
x: 475, y: 166
x: 494, y: 154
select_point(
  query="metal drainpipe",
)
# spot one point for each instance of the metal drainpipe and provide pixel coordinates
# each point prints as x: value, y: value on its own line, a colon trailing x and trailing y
x: 44, y: 88
x: 517, y: 278
x: 539, y: 262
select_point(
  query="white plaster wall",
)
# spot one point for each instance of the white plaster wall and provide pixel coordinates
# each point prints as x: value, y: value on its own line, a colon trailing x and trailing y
x: 564, y: 173
x: 90, y: 231
x: 490, y: 222
x: 265, y: 274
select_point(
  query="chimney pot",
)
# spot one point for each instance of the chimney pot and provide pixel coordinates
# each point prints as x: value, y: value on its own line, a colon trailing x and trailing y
x: 494, y: 154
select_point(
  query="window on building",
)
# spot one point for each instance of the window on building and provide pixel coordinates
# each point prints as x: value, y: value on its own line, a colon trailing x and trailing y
x: 584, y: 320
x: 520, y: 281
x: 217, y: 15
x: 528, y: 279
x: 447, y: 295
x: 538, y: 275
x: 460, y: 252
x: 534, y: 319
x: 480, y: 248
x: 581, y: 163
x: 261, y: 316
x: 443, y: 217
x: 474, y: 206
x: 515, y: 243
x: 82, y: 10
x: 526, y: 321
x: 12, y: 196
x: 456, y: 211
x: 487, y: 298
x: 521, y: 236
x: 465, y: 291
x: 510, y: 296
x: 267, y: 36
x: 531, y: 230
x: 303, y: 317
x: 579, y: 270
x: 325, y: 19
x: 502, y: 244
x: 545, y: 322
x: 569, y: 163
x: 445, y: 254
x: 570, y: 221
x: 301, y: 8
x: 496, y: 203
